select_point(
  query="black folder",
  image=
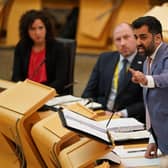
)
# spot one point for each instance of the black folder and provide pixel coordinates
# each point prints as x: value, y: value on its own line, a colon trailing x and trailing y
x: 83, y: 126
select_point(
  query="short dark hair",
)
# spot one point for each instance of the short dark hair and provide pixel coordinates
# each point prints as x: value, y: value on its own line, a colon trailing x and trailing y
x: 153, y: 24
x: 26, y: 21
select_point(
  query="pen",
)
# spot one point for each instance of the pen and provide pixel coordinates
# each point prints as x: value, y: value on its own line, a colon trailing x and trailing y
x: 134, y: 151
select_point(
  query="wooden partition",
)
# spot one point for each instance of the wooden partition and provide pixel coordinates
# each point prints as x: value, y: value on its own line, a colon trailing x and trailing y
x: 98, y: 18
x: 18, y: 8
x: 161, y: 13
x: 8, y: 156
x: 18, y: 106
x: 48, y: 134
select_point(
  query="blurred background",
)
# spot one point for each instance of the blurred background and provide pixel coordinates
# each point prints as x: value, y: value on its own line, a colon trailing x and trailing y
x: 89, y: 23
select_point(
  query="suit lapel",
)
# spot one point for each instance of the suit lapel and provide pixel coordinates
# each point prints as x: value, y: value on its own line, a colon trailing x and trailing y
x: 157, y: 57
x: 154, y: 65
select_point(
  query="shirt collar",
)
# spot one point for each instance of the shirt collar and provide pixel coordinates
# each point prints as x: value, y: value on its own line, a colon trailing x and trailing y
x: 154, y: 54
x: 129, y: 58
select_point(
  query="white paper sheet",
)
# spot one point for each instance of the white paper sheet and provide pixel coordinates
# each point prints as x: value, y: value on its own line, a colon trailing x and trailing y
x: 130, y: 135
x: 134, y: 157
x: 140, y: 162
x: 123, y: 124
x: 63, y: 99
x: 132, y: 152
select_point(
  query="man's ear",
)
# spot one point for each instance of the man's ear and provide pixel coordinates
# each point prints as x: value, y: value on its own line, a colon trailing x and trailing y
x: 158, y: 38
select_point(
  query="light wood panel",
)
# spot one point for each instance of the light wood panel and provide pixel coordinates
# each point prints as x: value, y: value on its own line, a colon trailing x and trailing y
x: 18, y: 7
x: 8, y: 157
x: 97, y: 21
x: 18, y: 106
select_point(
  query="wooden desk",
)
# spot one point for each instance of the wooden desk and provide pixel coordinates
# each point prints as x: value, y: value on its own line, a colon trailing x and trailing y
x: 4, y: 84
x: 46, y: 133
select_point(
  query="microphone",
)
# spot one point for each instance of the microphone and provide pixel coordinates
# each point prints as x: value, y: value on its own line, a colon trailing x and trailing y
x: 108, y: 122
x: 70, y: 84
x: 37, y: 68
x: 107, y: 131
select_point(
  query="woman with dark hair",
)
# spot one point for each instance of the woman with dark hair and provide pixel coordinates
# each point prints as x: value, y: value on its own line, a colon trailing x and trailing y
x: 38, y: 56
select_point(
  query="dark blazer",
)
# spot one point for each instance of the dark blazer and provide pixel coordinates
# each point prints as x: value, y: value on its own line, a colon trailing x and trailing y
x: 99, y: 85
x: 156, y: 98
x: 56, y: 64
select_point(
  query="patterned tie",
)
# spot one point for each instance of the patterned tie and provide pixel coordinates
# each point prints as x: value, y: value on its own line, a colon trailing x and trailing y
x: 122, y: 74
x: 149, y: 61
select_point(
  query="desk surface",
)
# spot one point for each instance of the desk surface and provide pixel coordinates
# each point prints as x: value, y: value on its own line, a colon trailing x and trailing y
x: 4, y: 84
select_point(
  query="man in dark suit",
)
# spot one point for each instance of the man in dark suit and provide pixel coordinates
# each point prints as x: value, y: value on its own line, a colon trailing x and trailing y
x: 154, y: 80
x: 104, y: 86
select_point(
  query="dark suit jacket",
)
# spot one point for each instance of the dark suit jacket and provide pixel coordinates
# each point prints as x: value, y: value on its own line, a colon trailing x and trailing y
x: 99, y: 85
x: 56, y: 64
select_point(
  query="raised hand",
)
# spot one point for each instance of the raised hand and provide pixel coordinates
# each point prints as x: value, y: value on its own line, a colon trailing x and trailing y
x: 138, y: 77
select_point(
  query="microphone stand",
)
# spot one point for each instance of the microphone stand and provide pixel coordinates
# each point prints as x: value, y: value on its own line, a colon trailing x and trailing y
x: 108, y: 132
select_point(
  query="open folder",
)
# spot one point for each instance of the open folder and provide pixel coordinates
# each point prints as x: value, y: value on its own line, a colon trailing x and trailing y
x: 84, y: 126
x: 95, y: 129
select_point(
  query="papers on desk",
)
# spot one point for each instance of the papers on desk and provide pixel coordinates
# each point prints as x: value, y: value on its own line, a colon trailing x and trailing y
x: 63, y: 99
x: 140, y: 162
x: 134, y: 157
x: 97, y: 129
x: 91, y: 105
x: 133, y: 135
x: 71, y: 99
x: 130, y: 152
x: 111, y: 157
x: 123, y: 125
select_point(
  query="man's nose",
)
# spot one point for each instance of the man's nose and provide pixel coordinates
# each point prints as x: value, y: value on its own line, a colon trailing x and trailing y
x: 138, y: 41
x: 123, y: 41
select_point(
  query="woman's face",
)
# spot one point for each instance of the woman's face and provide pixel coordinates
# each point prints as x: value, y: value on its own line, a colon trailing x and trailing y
x: 37, y: 32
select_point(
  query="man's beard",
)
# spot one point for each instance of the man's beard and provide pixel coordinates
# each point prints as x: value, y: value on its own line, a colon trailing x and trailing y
x: 141, y: 50
x: 146, y: 51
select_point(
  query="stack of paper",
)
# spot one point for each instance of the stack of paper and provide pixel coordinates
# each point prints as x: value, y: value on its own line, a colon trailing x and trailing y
x: 123, y: 125
x: 133, y: 135
x: 62, y: 100
x: 59, y: 100
x: 134, y: 157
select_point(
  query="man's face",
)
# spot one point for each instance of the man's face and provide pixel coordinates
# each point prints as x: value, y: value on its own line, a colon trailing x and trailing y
x: 124, y: 40
x: 145, y: 41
